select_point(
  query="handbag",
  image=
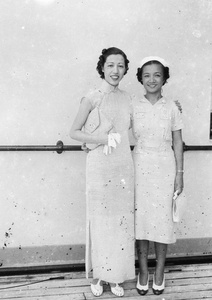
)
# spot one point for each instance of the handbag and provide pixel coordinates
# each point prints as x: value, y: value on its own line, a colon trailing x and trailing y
x: 92, y: 121
x: 179, y: 204
x: 96, y: 123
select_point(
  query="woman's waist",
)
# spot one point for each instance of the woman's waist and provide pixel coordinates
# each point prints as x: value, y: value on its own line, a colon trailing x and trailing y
x: 121, y: 138
x: 155, y: 146
x: 114, y: 157
x: 122, y: 146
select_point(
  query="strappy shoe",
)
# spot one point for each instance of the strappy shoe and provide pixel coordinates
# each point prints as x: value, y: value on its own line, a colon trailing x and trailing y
x: 142, y: 289
x: 158, y: 289
x: 117, y: 290
x: 97, y: 289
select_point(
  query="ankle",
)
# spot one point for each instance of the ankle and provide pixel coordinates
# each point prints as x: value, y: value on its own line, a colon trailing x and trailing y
x: 95, y: 281
x: 112, y: 284
x: 143, y: 277
x: 159, y: 277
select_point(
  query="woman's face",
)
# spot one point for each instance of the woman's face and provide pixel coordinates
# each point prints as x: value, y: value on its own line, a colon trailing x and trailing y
x: 114, y: 69
x: 152, y: 77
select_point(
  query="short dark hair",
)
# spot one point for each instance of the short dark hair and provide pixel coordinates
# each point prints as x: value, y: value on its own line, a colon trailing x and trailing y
x: 103, y: 58
x: 165, y: 71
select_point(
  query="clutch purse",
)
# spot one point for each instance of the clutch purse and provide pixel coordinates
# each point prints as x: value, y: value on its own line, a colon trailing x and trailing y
x: 178, y: 206
x: 96, y: 123
x: 93, y: 121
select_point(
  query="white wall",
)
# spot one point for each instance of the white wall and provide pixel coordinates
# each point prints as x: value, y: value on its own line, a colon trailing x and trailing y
x: 49, y: 51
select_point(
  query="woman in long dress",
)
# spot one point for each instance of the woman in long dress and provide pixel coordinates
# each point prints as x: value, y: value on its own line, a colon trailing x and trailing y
x: 109, y: 177
x: 159, y: 171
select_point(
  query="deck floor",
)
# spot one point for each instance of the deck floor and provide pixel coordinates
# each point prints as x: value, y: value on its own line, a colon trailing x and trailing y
x: 182, y: 282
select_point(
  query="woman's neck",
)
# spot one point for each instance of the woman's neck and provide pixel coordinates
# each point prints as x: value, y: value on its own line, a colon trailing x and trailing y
x: 107, y: 87
x: 153, y: 98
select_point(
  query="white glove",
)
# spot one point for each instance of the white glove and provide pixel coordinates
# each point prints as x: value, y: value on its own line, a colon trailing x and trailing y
x: 116, y: 138
x: 106, y: 150
x: 113, y: 138
x: 111, y: 141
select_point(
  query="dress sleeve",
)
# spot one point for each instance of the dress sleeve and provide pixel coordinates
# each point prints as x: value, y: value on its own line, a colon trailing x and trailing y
x: 176, y: 119
x: 94, y: 97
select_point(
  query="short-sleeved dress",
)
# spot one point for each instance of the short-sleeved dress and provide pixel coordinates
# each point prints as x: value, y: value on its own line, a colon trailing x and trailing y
x: 110, y: 194
x: 155, y: 168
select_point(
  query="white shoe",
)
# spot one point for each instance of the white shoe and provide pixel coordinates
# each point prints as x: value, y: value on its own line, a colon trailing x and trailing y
x: 117, y: 290
x: 158, y: 289
x: 97, y: 289
x: 142, y: 289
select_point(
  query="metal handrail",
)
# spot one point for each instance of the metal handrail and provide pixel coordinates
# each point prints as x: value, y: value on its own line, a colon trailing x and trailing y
x: 197, y: 147
x: 60, y: 147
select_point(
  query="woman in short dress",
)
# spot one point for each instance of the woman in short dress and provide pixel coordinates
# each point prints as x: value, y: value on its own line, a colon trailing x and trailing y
x: 109, y: 178
x: 159, y: 171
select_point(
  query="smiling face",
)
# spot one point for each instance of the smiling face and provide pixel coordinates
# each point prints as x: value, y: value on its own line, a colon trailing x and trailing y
x: 153, y: 78
x: 114, y: 69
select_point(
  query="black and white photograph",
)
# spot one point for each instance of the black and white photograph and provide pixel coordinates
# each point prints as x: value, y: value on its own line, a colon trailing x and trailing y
x: 106, y: 149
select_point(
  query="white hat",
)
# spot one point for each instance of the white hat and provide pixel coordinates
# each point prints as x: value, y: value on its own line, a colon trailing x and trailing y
x: 150, y: 58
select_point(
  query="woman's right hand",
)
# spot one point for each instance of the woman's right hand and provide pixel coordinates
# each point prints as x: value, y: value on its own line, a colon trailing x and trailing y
x: 102, y: 138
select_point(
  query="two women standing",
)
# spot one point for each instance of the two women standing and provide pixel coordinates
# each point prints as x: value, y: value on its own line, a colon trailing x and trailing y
x: 110, y: 174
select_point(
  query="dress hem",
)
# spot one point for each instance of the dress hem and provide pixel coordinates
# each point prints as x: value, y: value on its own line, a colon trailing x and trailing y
x: 157, y: 240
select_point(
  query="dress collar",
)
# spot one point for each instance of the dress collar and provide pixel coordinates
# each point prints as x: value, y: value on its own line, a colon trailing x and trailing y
x: 107, y: 88
x: 161, y: 100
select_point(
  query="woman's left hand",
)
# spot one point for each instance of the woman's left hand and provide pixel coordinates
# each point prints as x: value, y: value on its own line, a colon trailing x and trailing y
x: 85, y: 148
x: 178, y: 184
x: 178, y: 105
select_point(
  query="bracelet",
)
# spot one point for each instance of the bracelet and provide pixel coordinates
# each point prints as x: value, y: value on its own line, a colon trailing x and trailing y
x: 180, y: 171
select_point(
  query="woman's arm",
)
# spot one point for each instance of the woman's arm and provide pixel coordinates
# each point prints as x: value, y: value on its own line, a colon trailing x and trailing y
x: 76, y: 132
x: 178, y: 152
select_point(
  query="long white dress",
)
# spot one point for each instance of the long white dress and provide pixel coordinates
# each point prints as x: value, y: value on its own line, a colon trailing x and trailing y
x: 155, y: 168
x: 110, y: 195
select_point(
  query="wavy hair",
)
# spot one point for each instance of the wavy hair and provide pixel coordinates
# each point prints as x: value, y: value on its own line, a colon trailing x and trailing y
x: 103, y: 58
